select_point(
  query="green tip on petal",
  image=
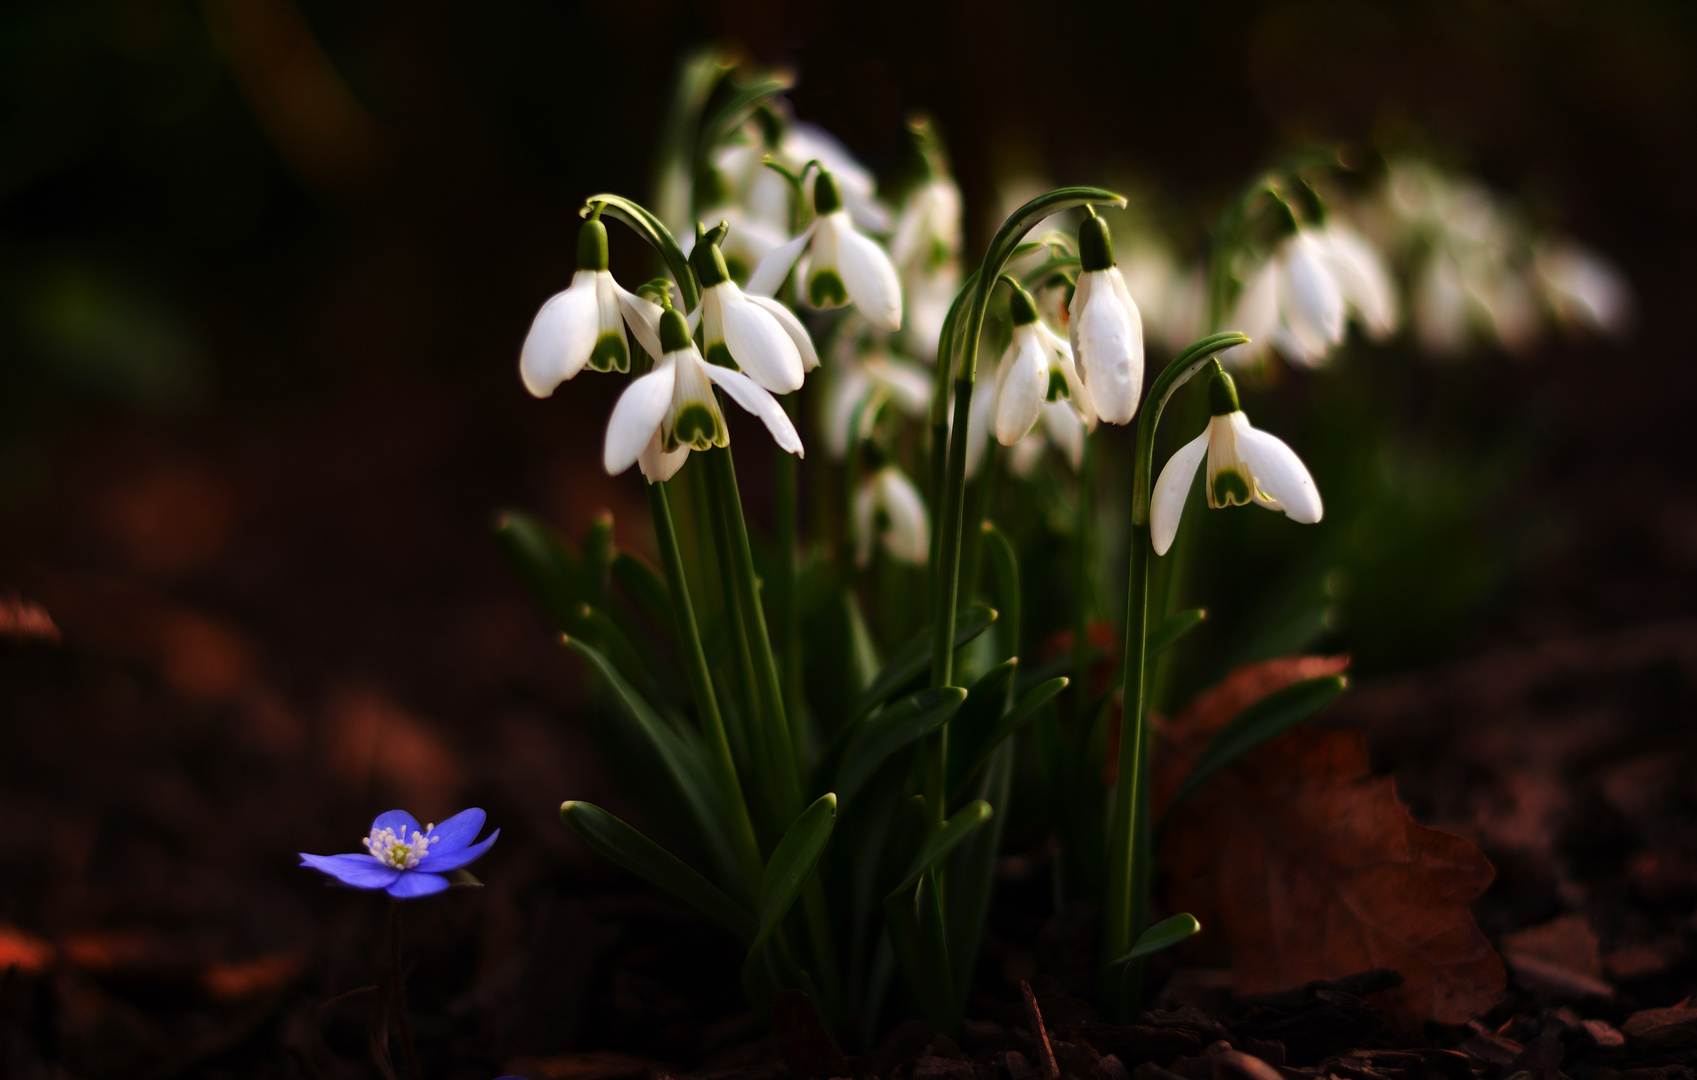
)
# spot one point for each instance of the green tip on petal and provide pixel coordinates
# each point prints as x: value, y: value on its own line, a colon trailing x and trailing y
x: 610, y: 354
x: 592, y: 246
x: 826, y: 198
x: 674, y: 331
x: 825, y: 289
x: 1222, y: 395
x: 1230, y: 488
x: 1095, y: 245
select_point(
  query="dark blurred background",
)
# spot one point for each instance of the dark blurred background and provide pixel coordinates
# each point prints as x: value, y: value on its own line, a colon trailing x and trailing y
x: 265, y: 266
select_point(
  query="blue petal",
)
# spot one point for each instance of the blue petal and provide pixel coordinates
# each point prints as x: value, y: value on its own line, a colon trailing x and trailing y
x: 402, y: 822
x: 453, y: 860
x: 412, y: 883
x: 457, y: 831
x: 360, y: 871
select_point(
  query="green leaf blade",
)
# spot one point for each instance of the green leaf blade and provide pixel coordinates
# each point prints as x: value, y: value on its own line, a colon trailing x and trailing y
x: 1266, y: 719
x: 912, y: 658
x: 643, y: 857
x: 894, y: 728
x: 1163, y: 935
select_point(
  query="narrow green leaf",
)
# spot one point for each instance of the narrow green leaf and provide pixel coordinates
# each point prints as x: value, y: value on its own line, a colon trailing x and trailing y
x: 1004, y: 571
x: 655, y: 233
x: 1175, y: 626
x: 986, y: 703
x: 1024, y: 710
x: 944, y: 840
x: 971, y: 876
x: 1273, y: 715
x: 793, y: 859
x: 912, y: 658
x: 544, y: 562
x: 1163, y: 935
x: 891, y: 729
x: 598, y: 558
x: 632, y: 664
x: 654, y: 864
x: 679, y: 751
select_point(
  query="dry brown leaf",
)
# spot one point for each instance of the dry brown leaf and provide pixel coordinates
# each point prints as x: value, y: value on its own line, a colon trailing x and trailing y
x: 1310, y: 867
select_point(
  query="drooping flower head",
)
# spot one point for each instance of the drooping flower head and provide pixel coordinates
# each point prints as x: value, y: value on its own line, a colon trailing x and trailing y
x: 405, y: 860
x: 1300, y: 300
x: 842, y: 265
x: 889, y: 508
x: 753, y: 334
x: 672, y: 410
x: 1107, y: 329
x: 1245, y: 466
x: 585, y: 325
x: 1035, y: 372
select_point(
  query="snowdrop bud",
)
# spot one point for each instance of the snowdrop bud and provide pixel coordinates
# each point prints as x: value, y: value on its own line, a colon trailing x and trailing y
x: 1105, y: 327
x: 889, y: 508
x: 1023, y: 376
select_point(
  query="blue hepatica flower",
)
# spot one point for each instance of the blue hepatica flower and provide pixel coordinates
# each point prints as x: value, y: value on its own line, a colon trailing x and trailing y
x: 405, y: 860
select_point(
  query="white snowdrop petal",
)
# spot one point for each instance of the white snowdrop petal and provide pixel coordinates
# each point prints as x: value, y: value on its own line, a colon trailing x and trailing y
x: 1256, y: 315
x: 908, y: 537
x: 792, y: 326
x: 1312, y: 304
x: 870, y: 279
x: 909, y: 385
x: 644, y: 320
x: 1066, y: 430
x: 1025, y: 386
x: 637, y: 415
x: 1280, y: 473
x: 1172, y: 488
x: 657, y: 465
x: 775, y: 267
x: 865, y: 522
x: 758, y: 343
x: 1363, y: 279
x: 1107, y: 341
x: 847, y: 388
x: 754, y: 398
x: 561, y: 337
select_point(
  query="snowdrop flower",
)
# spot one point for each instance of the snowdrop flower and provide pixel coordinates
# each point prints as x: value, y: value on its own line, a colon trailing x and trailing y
x: 869, y: 378
x: 1037, y: 369
x: 404, y: 860
x: 1583, y: 288
x: 841, y: 266
x: 764, y: 195
x: 1245, y: 465
x: 926, y: 253
x: 743, y: 332
x: 672, y: 410
x: 1106, y: 328
x: 585, y: 325
x: 1299, y: 299
x: 889, y: 508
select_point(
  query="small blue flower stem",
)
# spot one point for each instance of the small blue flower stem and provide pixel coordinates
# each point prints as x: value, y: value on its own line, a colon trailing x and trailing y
x: 741, y: 826
x: 1125, y: 901
x: 397, y: 983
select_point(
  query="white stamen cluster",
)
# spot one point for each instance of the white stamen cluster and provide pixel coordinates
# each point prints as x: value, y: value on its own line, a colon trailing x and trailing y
x: 398, y: 851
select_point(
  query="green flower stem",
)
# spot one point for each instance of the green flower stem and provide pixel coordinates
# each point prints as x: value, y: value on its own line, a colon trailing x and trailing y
x: 779, y: 810
x: 996, y: 258
x: 789, y: 598
x: 1081, y: 579
x: 1125, y: 897
x: 741, y: 826
x: 781, y: 749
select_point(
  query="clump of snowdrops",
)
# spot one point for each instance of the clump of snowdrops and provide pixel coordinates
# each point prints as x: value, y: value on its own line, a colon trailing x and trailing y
x: 829, y: 716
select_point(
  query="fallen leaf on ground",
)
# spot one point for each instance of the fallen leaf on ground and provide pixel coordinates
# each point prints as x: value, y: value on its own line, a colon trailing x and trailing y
x: 1311, y: 868
x: 21, y: 621
x: 1561, y: 958
x: 18, y: 946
